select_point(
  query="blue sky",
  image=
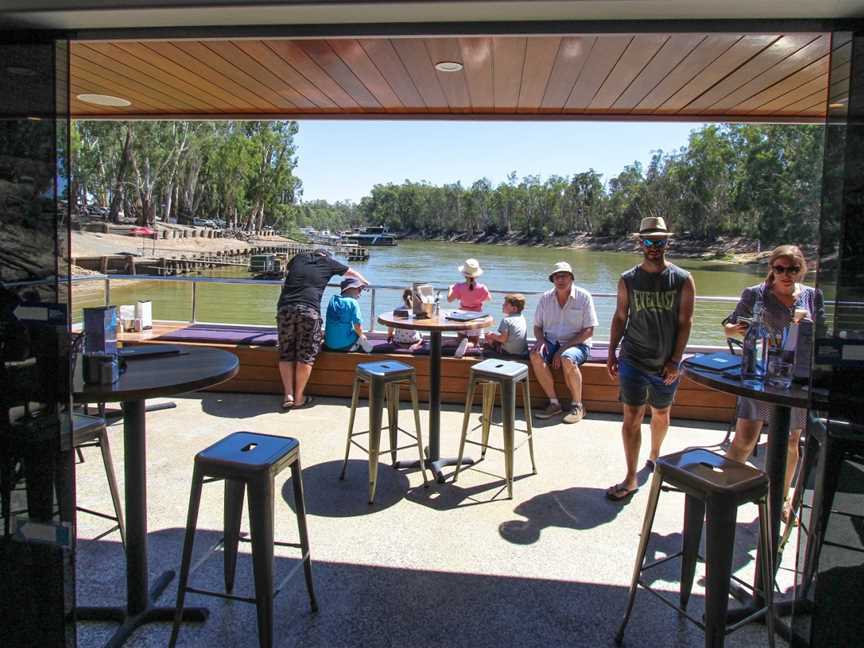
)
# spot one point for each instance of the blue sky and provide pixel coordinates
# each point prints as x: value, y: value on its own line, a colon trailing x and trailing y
x: 343, y: 159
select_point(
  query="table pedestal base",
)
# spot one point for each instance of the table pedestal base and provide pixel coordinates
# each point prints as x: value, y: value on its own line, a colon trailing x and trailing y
x: 130, y: 621
x: 436, y: 466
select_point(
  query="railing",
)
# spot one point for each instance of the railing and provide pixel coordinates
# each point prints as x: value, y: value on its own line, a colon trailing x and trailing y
x: 710, y: 310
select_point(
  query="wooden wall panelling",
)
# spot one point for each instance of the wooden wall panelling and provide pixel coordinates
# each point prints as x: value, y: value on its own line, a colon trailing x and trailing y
x: 601, y: 61
x: 676, y: 48
x: 793, y: 96
x: 476, y: 56
x: 297, y: 58
x: 386, y: 59
x: 287, y: 75
x: 508, y: 66
x: 415, y: 57
x: 167, y: 62
x: 781, y: 70
x: 358, y: 61
x: 570, y: 60
x: 710, y: 49
x: 321, y: 52
x: 203, y: 62
x: 540, y: 55
x: 241, y: 68
x: 742, y: 51
x: 113, y: 61
x: 801, y: 77
x: 453, y: 83
x: 639, y: 54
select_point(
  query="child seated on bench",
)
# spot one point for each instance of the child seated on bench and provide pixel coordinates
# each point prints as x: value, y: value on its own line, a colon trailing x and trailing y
x: 404, y: 338
x: 512, y: 335
x: 344, y: 325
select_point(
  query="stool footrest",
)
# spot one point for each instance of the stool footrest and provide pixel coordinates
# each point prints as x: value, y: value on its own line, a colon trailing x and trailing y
x: 276, y: 543
x: 104, y: 516
x: 382, y: 452
x: 232, y: 597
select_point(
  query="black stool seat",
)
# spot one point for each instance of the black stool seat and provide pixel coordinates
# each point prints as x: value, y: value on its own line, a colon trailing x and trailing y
x: 247, y: 452
x: 385, y: 369
x: 702, y: 473
x: 493, y: 369
x: 714, y: 487
x: 86, y: 428
x: 247, y: 461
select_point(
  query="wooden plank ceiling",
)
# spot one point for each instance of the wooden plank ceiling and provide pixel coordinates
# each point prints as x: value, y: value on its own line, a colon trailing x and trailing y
x: 637, y: 76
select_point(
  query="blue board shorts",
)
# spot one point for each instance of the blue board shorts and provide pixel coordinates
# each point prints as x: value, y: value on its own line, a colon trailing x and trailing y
x: 638, y: 387
x: 577, y: 354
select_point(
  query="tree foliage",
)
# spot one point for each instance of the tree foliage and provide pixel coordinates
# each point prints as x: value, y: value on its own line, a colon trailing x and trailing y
x: 239, y: 172
x: 761, y: 182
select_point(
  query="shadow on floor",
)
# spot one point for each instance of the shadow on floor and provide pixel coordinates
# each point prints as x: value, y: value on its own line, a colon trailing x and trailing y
x: 371, y: 605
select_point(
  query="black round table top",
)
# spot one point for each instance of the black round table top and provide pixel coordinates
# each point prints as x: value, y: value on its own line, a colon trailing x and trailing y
x: 795, y: 396
x: 163, y: 375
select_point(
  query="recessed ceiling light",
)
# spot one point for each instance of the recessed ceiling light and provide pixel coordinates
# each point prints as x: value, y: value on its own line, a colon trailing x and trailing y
x: 17, y: 70
x: 104, y: 100
x: 448, y: 66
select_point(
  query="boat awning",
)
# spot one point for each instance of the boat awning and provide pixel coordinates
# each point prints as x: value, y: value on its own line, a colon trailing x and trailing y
x: 633, y: 76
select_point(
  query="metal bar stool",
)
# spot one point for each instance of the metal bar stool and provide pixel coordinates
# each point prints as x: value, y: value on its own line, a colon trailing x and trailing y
x: 246, y: 460
x: 492, y: 374
x: 384, y: 380
x: 91, y: 432
x: 87, y: 432
x: 830, y: 443
x: 717, y: 486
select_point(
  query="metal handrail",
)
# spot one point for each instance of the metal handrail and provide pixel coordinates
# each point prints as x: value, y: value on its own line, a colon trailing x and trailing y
x: 373, y: 320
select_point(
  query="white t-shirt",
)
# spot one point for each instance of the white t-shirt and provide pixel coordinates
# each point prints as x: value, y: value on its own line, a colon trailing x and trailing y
x: 560, y: 323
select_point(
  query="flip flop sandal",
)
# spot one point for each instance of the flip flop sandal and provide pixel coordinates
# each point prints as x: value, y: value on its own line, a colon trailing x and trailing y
x: 307, y: 402
x: 620, y: 492
x: 287, y: 405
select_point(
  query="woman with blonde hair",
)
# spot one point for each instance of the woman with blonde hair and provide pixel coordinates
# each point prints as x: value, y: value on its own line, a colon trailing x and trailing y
x: 784, y: 300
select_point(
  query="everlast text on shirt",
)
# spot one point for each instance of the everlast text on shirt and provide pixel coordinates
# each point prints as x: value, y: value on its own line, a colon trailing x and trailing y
x: 651, y: 300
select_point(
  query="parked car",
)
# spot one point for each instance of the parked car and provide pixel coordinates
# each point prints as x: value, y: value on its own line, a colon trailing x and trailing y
x: 203, y: 222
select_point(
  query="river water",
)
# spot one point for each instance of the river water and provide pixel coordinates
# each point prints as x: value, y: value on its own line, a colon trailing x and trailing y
x: 507, y: 268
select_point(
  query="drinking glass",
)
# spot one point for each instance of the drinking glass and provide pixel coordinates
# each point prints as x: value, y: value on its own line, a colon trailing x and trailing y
x: 780, y: 372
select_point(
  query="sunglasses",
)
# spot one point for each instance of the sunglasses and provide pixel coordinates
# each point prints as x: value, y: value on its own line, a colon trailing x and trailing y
x: 790, y: 270
x: 649, y: 243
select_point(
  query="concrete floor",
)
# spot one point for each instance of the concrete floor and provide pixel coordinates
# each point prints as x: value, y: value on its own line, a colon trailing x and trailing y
x: 453, y: 565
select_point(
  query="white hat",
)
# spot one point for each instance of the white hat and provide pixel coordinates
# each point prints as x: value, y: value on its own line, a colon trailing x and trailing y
x: 653, y: 227
x: 561, y: 266
x: 471, y: 268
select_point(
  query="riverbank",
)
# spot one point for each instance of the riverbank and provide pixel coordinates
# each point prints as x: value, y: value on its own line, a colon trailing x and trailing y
x: 722, y: 250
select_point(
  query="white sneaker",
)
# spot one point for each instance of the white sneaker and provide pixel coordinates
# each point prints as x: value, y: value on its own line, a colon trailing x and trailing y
x: 461, y: 349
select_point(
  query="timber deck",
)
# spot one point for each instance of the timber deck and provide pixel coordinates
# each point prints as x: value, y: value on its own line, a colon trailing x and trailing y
x: 333, y: 374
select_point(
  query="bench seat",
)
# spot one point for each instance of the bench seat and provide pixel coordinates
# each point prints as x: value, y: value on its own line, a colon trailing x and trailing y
x: 334, y: 371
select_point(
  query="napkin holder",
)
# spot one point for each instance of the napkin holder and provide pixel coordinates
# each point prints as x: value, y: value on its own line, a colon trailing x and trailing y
x: 144, y: 312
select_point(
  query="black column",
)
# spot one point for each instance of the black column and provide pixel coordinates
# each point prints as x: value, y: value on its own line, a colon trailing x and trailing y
x: 834, y: 610
x: 37, y: 586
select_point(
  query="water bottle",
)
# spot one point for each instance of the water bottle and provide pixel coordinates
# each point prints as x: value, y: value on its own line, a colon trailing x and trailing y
x: 755, y: 347
x: 437, y: 303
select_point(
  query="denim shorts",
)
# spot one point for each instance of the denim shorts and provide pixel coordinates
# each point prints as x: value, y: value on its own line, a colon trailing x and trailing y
x: 578, y: 354
x: 638, y: 387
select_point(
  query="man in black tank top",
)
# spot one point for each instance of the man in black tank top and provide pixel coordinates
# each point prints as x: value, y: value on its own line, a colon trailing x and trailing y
x: 652, y: 322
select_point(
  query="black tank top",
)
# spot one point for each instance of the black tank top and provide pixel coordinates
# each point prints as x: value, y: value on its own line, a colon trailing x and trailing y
x: 652, y: 320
